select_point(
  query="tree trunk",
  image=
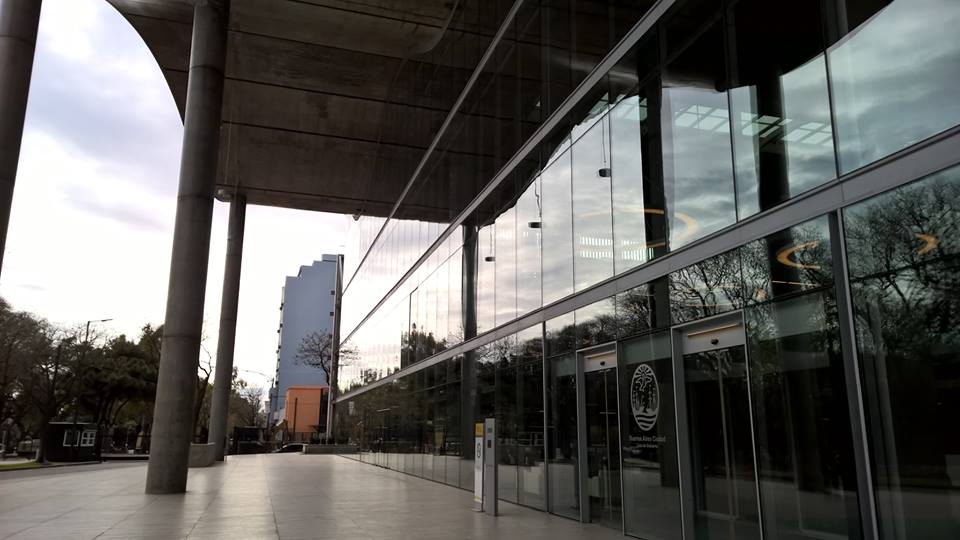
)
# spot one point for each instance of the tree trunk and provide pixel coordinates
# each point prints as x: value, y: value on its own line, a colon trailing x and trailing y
x: 198, y: 405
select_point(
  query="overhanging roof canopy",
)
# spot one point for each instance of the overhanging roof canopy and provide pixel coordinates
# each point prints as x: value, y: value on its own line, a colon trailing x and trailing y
x: 328, y: 104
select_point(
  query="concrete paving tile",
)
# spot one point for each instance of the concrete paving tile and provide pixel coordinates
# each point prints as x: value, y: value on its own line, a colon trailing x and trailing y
x: 270, y: 496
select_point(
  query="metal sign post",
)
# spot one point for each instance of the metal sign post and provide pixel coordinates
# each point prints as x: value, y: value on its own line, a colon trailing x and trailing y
x: 490, y: 466
x: 478, y: 467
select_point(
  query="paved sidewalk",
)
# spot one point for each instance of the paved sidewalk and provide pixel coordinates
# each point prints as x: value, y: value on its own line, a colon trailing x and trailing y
x: 287, y: 496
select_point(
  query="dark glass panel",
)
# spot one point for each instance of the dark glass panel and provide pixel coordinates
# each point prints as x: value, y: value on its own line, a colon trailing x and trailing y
x: 455, y: 298
x: 506, y: 415
x: 557, y: 21
x: 651, y: 479
x: 633, y: 311
x: 780, y: 106
x: 561, y: 335
x: 562, y: 461
x: 531, y: 476
x: 428, y: 412
x: 718, y: 407
x: 804, y: 445
x: 413, y: 337
x: 452, y: 448
x: 557, y: 230
x: 643, y: 308
x: 603, y: 448
x: 441, y: 278
x: 431, y: 344
x: 422, y: 333
x: 530, y: 433
x: 697, y: 162
x: 903, y: 252
x: 787, y: 262
x: 626, y: 13
x: 596, y: 323
x: 468, y: 417
x: 894, y: 76
x: 707, y: 288
x: 639, y: 219
x: 592, y: 24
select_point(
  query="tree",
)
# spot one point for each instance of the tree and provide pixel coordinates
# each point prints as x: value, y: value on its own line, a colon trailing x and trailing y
x: 252, y: 406
x: 316, y: 350
x: 201, y: 401
x: 113, y: 376
x: 49, y: 373
x: 21, y: 337
x: 52, y: 375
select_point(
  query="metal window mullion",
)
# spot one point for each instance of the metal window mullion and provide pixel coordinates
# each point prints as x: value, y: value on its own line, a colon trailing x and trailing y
x: 618, y: 349
x: 682, y: 425
x: 582, y: 471
x: 544, y: 369
x: 753, y: 429
x: 866, y: 499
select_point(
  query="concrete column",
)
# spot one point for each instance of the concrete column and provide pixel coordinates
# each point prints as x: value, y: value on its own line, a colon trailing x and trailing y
x: 18, y: 40
x: 172, y: 416
x: 220, y: 405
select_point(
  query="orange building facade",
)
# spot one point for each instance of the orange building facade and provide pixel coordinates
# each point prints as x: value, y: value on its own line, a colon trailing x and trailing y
x: 305, y: 409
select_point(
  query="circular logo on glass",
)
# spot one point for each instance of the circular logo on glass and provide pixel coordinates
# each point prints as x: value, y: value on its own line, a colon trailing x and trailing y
x: 645, y: 397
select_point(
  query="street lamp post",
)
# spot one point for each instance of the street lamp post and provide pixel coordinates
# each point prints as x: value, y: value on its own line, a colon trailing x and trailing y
x: 76, y: 398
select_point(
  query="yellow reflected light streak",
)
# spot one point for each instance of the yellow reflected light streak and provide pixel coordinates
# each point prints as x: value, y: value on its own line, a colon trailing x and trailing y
x: 690, y: 224
x: 784, y: 255
x: 930, y: 243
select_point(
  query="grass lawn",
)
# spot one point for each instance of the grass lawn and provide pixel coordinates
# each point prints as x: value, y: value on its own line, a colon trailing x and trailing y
x: 21, y: 465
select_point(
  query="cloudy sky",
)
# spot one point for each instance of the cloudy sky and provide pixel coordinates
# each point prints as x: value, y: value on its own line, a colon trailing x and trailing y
x: 92, y: 221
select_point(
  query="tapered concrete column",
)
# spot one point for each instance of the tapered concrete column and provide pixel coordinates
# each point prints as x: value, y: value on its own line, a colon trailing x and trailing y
x: 220, y: 405
x: 18, y: 40
x: 173, y: 412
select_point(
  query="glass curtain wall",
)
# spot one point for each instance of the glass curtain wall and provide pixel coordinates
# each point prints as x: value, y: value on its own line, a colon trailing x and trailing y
x: 651, y: 478
x: 903, y: 254
x: 715, y: 115
x: 772, y: 418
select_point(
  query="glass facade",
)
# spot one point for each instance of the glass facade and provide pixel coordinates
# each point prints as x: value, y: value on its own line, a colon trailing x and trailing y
x: 795, y: 384
x: 905, y: 277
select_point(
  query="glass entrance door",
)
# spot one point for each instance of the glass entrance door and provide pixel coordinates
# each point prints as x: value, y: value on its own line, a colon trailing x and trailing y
x: 603, y: 447
x: 722, y: 477
x: 562, y: 436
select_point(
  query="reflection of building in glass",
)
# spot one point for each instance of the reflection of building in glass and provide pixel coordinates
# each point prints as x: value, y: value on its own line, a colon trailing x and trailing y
x: 778, y: 334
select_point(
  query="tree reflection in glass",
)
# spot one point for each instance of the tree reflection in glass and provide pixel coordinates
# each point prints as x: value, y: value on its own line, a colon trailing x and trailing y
x: 787, y: 262
x: 806, y: 469
x: 904, y: 262
x: 707, y: 288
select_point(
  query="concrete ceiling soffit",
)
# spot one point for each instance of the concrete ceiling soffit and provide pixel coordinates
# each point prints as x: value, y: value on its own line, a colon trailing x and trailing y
x: 342, y: 28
